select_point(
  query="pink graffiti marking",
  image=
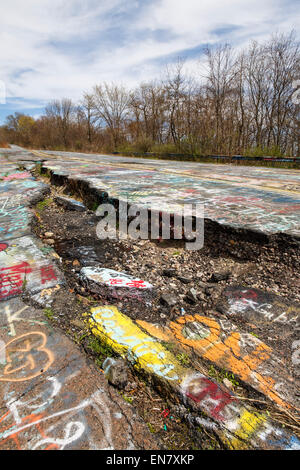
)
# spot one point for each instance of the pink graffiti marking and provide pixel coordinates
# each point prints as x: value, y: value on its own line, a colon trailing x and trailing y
x: 17, y: 176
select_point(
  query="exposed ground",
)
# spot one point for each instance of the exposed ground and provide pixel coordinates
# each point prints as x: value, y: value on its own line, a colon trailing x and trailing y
x: 169, y: 267
x: 249, y: 278
x: 174, y: 271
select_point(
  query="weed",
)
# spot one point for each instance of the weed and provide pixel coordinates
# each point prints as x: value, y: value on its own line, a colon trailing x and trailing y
x: 46, y: 249
x: 128, y: 399
x: 183, y: 359
x: 49, y: 313
x: 151, y: 428
x: 102, y: 350
x: 24, y: 284
x: 38, y: 168
x: 43, y: 204
x: 83, y: 336
x: 231, y: 377
x: 169, y: 346
x: 219, y: 375
x: 98, y: 363
x: 94, y: 206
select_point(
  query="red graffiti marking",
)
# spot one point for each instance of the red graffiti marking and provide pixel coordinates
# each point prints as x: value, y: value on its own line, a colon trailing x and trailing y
x: 11, y: 282
x: 138, y: 284
x: 113, y: 282
x: 190, y: 190
x: 47, y: 274
x: 211, y: 390
x: 3, y: 246
x: 134, y: 283
x: 165, y: 413
x: 290, y: 208
x: 248, y: 294
x: 238, y: 199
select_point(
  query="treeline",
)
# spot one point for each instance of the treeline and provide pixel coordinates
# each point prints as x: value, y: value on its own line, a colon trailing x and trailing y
x: 242, y: 102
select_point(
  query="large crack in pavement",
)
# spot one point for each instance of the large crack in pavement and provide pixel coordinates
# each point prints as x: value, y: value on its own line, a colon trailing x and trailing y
x: 51, y: 397
x: 215, y: 403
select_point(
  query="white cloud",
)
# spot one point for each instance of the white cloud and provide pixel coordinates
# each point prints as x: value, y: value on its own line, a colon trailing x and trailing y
x: 55, y: 48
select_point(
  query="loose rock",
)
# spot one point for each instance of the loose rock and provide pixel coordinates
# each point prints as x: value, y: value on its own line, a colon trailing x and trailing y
x: 116, y: 372
x: 168, y: 299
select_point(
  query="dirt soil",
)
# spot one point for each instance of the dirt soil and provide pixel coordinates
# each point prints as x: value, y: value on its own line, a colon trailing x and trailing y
x: 259, y: 263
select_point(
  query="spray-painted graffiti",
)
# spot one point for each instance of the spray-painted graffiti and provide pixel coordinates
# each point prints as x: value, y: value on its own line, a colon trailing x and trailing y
x: 16, y: 279
x: 50, y: 397
x: 253, y: 304
x: 14, y: 187
x: 14, y: 222
x: 12, y: 279
x: 61, y: 428
x: 242, y: 353
x: 116, y: 285
x: 16, y: 192
x: 21, y: 357
x: 242, y: 427
x: 24, y: 267
x: 231, y: 196
x: 130, y: 341
x: 200, y: 388
x: 109, y: 277
x: 18, y: 175
x: 12, y: 313
x: 31, y: 415
x: 238, y: 426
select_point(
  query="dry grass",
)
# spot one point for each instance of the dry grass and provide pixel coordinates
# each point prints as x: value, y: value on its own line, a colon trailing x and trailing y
x: 4, y: 145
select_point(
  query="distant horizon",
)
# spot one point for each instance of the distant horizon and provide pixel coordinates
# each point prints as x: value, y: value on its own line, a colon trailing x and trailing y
x: 61, y: 49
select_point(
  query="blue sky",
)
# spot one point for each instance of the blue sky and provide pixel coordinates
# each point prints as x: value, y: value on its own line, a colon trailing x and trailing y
x: 60, y: 48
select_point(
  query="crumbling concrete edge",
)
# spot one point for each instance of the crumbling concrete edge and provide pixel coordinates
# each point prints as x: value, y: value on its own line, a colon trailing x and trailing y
x: 238, y: 426
x: 93, y: 196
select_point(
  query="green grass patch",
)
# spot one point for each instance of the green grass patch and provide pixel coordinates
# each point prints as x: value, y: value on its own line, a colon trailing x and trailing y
x: 151, y: 428
x: 49, y: 313
x: 43, y: 204
x: 128, y: 399
x: 183, y: 359
x: 94, y: 206
x: 100, y: 349
x: 220, y: 375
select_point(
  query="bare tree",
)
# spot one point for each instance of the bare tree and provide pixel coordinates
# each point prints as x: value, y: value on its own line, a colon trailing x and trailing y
x: 89, y: 115
x: 62, y: 113
x: 220, y: 78
x: 175, y: 86
x: 284, y: 64
x: 111, y: 105
x: 242, y: 104
x: 148, y: 103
